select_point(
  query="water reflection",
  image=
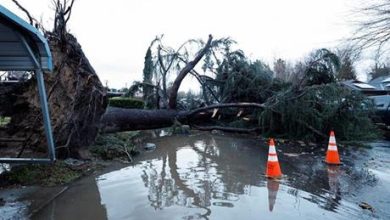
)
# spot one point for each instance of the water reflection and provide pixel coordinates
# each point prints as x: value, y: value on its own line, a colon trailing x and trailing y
x: 208, y: 177
x: 273, y: 188
x: 81, y: 201
x: 334, y: 187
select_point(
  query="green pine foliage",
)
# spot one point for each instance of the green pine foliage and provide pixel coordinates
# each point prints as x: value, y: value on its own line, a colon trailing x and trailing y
x: 316, y: 102
x: 323, y: 107
x: 347, y: 71
x: 322, y: 67
x: 148, y: 91
x: 244, y: 81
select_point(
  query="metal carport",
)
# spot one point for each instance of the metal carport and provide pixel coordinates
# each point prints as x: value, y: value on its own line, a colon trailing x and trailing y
x: 23, y: 48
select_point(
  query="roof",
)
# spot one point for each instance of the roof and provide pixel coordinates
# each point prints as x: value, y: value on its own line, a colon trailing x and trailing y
x: 387, y: 80
x: 13, y: 53
x: 382, y: 82
x: 358, y: 85
x: 364, y: 88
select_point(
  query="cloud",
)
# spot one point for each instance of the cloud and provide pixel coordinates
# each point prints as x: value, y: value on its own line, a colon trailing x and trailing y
x: 115, y: 34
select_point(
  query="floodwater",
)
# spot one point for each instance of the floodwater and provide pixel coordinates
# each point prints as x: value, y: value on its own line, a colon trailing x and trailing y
x: 208, y: 176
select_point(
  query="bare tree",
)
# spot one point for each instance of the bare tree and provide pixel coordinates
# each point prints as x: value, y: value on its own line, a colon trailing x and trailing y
x: 282, y: 70
x: 373, y: 27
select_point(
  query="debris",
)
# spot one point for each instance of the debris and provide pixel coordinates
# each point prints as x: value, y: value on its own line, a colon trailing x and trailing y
x: 239, y: 113
x: 214, y: 113
x: 365, y: 205
x: 291, y: 154
x: 216, y: 132
x: 73, y: 162
x: 150, y: 146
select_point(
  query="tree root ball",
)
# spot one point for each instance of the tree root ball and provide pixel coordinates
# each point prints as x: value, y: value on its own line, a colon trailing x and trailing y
x: 76, y: 98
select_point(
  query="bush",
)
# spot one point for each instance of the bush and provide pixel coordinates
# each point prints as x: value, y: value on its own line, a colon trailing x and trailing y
x: 122, y: 102
x: 115, y: 146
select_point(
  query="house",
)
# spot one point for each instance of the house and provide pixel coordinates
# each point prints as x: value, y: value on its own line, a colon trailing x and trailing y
x: 365, y: 88
x: 381, y: 83
x: 378, y: 91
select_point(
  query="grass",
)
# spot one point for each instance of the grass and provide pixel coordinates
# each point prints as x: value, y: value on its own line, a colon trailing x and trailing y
x: 46, y: 175
x: 108, y: 147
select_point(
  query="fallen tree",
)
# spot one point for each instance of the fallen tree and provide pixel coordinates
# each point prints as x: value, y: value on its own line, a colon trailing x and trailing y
x: 76, y: 97
x: 239, y: 95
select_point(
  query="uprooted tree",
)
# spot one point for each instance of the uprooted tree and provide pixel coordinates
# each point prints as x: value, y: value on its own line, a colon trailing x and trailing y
x: 237, y: 94
x: 76, y: 97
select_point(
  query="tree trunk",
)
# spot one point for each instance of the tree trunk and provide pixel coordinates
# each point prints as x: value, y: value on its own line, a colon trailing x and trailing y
x: 183, y: 73
x: 120, y: 119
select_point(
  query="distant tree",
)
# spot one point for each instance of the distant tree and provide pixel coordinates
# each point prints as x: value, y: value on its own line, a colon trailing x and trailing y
x: 147, y: 87
x: 282, y: 70
x: 347, y: 58
x: 379, y: 70
x: 124, y: 89
x: 298, y: 72
x: 148, y: 67
x: 347, y: 70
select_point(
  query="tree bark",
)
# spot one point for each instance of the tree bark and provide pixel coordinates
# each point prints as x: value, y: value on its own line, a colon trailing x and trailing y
x: 120, y: 119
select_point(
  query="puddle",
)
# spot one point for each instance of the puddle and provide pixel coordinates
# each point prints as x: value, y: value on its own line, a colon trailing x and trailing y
x: 222, y: 177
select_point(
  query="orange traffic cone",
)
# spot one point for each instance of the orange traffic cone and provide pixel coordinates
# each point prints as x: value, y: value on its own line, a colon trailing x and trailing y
x: 273, y: 167
x: 273, y: 188
x: 332, y: 155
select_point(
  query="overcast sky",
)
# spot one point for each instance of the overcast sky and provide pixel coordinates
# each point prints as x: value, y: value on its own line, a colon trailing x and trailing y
x: 115, y: 34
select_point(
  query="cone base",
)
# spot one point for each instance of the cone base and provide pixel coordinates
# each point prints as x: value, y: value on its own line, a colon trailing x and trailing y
x: 274, y: 177
x: 332, y: 163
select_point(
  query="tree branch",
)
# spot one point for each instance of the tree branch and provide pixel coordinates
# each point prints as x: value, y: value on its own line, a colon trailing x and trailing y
x: 30, y: 18
x: 183, y: 73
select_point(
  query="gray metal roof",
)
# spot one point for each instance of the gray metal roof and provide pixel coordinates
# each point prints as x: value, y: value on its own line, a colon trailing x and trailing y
x: 13, y: 53
x: 382, y: 82
x: 358, y: 85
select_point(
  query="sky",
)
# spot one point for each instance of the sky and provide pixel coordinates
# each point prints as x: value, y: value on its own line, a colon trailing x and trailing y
x: 115, y: 34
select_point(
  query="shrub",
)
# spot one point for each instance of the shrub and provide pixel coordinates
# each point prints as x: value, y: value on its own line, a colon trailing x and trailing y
x: 124, y: 102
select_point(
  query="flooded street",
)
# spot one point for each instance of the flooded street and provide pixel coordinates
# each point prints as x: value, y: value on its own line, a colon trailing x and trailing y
x: 208, y: 176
